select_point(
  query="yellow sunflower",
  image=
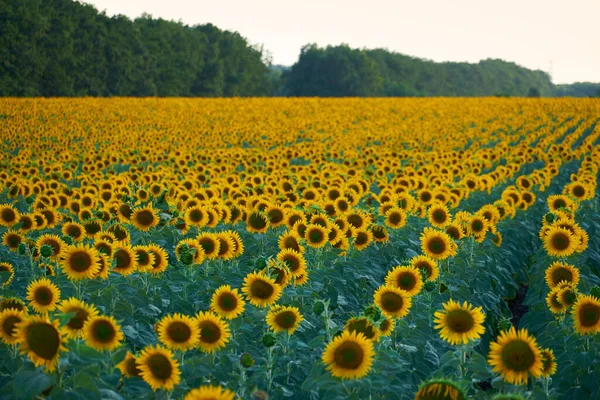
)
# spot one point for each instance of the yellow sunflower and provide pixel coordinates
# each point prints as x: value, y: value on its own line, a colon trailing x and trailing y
x: 407, y: 278
x: 210, y: 244
x: 459, y: 324
x: 75, y: 230
x: 392, y: 301
x: 558, y: 272
x: 196, y: 216
x: 439, y: 215
x: 128, y: 366
x: 261, y: 290
x: 209, y: 393
x: 227, y: 302
x: 41, y: 340
x: 158, y: 368
x: 7, y: 273
x: 55, y: 243
x: 43, y: 295
x: 362, y: 238
x: 257, y: 222
x: 237, y: 241
x: 178, y: 332
x: 191, y: 244
x: 364, y: 326
x: 102, y: 333
x: 548, y: 363
x: 82, y: 312
x: 80, y: 262
x: 125, y: 260
x: 553, y: 302
x: 9, y: 319
x: 440, y: 389
x: 145, y: 258
x: 515, y: 355
x: 12, y: 303
x: 349, y: 355
x: 559, y: 242
x: 9, y: 215
x: 12, y: 240
x: 213, y: 332
x: 226, y: 246
x: 283, y: 318
x: 586, y: 315
x: 428, y: 265
x: 144, y: 218
x: 437, y: 244
x: 161, y: 259
x: 387, y: 326
x: 294, y: 261
x: 316, y: 235
x: 395, y: 218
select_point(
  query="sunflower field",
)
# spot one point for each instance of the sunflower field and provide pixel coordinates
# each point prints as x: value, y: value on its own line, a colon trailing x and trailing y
x: 299, y: 249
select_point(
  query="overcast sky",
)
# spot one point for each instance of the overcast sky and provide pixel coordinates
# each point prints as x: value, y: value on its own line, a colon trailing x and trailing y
x: 560, y: 37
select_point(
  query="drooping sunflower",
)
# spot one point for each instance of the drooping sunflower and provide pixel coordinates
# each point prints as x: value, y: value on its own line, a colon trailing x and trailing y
x: 407, y: 278
x: 43, y: 295
x: 440, y: 389
x: 210, y: 244
x: 144, y: 218
x: 227, y: 302
x: 158, y: 368
x: 213, y: 332
x: 8, y: 324
x: 459, y: 324
x: 558, y: 272
x: 128, y: 366
x: 294, y: 261
x: 363, y: 325
x: 559, y: 242
x: 586, y: 315
x: 82, y: 311
x: 12, y: 240
x: 92, y: 227
x: 395, y: 218
x: 283, y: 318
x: 261, y: 290
x: 7, y: 273
x: 54, y: 242
x: 102, y: 333
x: 392, y: 301
x: 380, y: 234
x: 75, y: 230
x: 257, y: 222
x: 9, y: 215
x: 161, y: 259
x: 515, y: 355
x: 41, y: 340
x: 80, y: 262
x: 548, y: 363
x: 210, y: 393
x: 178, y: 332
x: 437, y: 244
x: 349, y: 355
x: 316, y: 235
x: 125, y: 260
x: 439, y: 215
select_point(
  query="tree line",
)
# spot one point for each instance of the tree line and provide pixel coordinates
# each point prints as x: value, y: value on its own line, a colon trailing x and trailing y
x: 68, y: 48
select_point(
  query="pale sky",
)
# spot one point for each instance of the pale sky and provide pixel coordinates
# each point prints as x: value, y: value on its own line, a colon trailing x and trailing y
x: 557, y: 36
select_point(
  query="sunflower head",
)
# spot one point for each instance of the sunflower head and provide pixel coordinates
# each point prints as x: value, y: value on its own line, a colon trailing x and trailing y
x: 43, y: 295
x: 128, y: 366
x: 213, y: 332
x: 282, y: 318
x: 158, y: 368
x: 9, y: 319
x: 363, y: 325
x: 80, y: 262
x: 211, y: 245
x: 102, y: 333
x: 427, y: 265
x: 559, y: 242
x: 586, y: 315
x: 178, y: 332
x: 437, y: 244
x: 144, y: 218
x: 459, y: 324
x: 440, y: 389
x: 516, y: 355
x: 42, y: 341
x: 227, y: 302
x: 81, y: 313
x: 210, y: 393
x: 548, y: 363
x: 261, y: 290
x: 407, y: 278
x: 349, y: 355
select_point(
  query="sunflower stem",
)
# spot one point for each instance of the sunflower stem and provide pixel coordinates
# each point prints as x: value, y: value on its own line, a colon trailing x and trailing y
x: 546, y: 384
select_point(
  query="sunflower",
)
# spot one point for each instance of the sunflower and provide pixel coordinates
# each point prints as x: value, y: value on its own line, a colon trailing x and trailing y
x: 407, y: 278
x: 42, y: 341
x: 294, y: 261
x: 455, y: 231
x: 125, y: 260
x: 80, y: 262
x: 387, y: 326
x: 568, y: 295
x: 497, y: 239
x: 278, y: 271
x: 178, y: 332
x: 227, y: 302
x: 102, y: 333
x: 440, y: 389
x: 12, y: 303
x: 213, y: 332
x: 359, y: 219
x: 237, y: 241
x: 299, y: 229
x: 363, y: 325
x: 439, y: 215
x: 395, y: 218
x: 210, y: 244
x: 290, y: 241
x: 283, y: 318
x: 276, y: 215
x: 12, y: 240
x: 437, y: 244
x: 553, y: 302
x: 586, y: 315
x: 75, y: 230
x: 161, y: 259
x: 82, y: 312
x: 559, y: 242
x: 316, y: 235
x: 54, y: 242
x: 362, y: 239
x: 459, y: 324
x: 559, y: 201
x: 144, y: 218
x: 580, y: 191
x: 104, y: 270
x: 257, y: 222
x: 261, y: 290
x: 120, y: 233
x: 210, y: 393
x: 515, y: 355
x: 548, y: 363
x: 226, y: 246
x: 478, y: 226
x: 190, y: 244
x: 393, y: 302
x: 349, y: 356
x: 104, y: 247
x: 43, y: 295
x: 7, y: 273
x: 145, y: 258
x: 128, y: 366
x: 8, y: 324
x: 92, y: 228
x: 558, y: 272
x: 9, y: 215
x: 158, y: 367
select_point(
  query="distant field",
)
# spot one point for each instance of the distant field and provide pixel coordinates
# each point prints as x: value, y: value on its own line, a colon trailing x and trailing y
x: 299, y: 248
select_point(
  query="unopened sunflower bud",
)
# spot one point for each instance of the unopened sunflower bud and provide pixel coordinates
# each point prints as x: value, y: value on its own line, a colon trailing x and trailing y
x: 269, y: 339
x: 429, y: 286
x: 46, y: 250
x: 504, y: 325
x: 187, y: 258
x: 246, y: 360
x: 68, y: 240
x: 22, y: 249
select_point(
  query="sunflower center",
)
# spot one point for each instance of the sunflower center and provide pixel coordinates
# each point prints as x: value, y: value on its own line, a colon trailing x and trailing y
x: 292, y: 262
x: 8, y: 215
x: 43, y: 339
x: 209, y: 332
x: 561, y: 241
x: 261, y: 289
x: 78, y: 320
x: 256, y: 221
x: 437, y: 245
x: 103, y: 331
x: 439, y: 216
x: 477, y: 225
x: 143, y: 258
x: 208, y: 246
x: 224, y: 247
x: 80, y: 261
x: 561, y: 274
x: 145, y: 218
x: 285, y: 319
x: 459, y: 321
x: 160, y: 366
x: 13, y: 240
x: 349, y: 355
x: 406, y: 281
x: 589, y: 314
x: 228, y: 302
x: 8, y: 326
x: 315, y: 236
x: 123, y: 259
x: 44, y: 296
x: 74, y: 231
x: 54, y: 244
x: 179, y: 332
x: 132, y: 369
x: 560, y: 203
x: 517, y: 355
x: 356, y: 220
x: 579, y: 191
x: 391, y: 302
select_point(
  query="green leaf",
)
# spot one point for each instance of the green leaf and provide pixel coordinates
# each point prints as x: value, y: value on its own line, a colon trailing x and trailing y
x: 30, y: 383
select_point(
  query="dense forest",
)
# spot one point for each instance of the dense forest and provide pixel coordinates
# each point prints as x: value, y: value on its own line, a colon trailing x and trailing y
x: 68, y: 48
